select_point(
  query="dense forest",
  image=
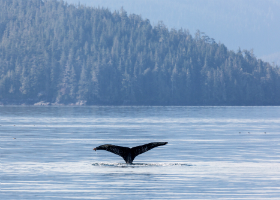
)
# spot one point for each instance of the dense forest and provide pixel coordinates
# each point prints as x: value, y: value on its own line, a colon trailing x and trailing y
x: 54, y: 52
x: 248, y: 24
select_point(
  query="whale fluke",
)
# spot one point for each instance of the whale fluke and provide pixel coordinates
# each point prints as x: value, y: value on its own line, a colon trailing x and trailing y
x: 128, y: 154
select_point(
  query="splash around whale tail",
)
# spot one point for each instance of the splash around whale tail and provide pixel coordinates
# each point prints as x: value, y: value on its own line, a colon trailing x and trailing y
x: 128, y: 154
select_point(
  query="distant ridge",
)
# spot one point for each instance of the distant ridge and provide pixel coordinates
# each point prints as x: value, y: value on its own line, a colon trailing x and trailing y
x: 53, y: 53
x: 249, y: 24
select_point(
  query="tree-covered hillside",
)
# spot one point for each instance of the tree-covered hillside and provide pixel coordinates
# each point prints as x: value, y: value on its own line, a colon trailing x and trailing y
x: 248, y: 24
x: 59, y: 53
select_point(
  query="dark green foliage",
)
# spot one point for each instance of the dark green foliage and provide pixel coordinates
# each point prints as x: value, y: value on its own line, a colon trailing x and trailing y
x: 54, y: 52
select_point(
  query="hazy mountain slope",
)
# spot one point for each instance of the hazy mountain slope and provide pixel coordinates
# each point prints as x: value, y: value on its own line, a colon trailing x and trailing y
x: 65, y: 54
x: 250, y: 24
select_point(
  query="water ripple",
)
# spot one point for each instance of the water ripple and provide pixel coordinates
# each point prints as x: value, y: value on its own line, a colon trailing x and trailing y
x: 139, y: 165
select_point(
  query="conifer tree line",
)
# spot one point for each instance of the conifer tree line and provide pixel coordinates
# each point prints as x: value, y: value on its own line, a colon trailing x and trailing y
x: 59, y: 53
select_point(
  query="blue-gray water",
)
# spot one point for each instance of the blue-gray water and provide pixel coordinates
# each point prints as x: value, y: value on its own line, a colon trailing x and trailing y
x: 206, y: 157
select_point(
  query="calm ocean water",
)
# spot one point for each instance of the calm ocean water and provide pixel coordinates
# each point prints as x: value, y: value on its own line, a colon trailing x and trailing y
x: 212, y: 153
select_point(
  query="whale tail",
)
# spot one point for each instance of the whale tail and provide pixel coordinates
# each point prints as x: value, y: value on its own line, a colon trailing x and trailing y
x: 129, y: 154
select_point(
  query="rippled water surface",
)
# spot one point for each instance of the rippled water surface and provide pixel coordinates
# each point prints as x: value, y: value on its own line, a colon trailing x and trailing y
x: 212, y: 153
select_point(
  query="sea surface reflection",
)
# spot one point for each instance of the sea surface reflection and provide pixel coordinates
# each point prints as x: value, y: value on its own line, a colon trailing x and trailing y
x: 212, y: 152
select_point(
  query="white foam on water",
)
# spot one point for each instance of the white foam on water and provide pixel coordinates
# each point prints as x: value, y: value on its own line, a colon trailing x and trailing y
x: 139, y: 165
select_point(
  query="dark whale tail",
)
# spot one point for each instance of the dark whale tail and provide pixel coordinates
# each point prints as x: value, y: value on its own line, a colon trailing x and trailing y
x: 128, y: 154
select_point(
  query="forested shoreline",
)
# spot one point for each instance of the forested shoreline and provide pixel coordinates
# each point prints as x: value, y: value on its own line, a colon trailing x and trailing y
x: 58, y: 53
